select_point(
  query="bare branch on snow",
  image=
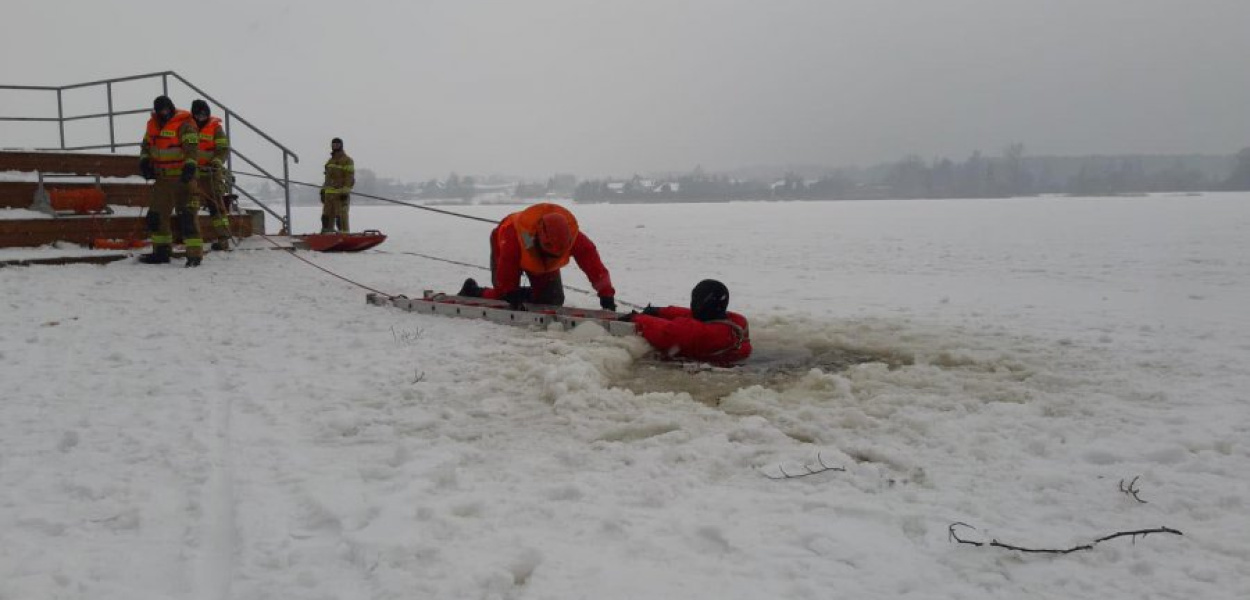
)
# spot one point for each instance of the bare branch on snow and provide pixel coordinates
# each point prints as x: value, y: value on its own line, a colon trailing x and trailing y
x: 1132, y: 491
x: 810, y: 470
x: 953, y: 536
x: 406, y: 337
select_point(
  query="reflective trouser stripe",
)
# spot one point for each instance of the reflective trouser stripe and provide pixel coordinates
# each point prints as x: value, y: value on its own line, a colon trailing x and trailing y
x: 193, y: 242
x: 222, y: 222
x: 162, y: 240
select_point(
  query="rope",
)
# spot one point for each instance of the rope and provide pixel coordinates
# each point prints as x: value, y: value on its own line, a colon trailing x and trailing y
x: 446, y: 260
x: 391, y: 200
x: 291, y: 251
x: 219, y: 204
x: 411, y: 205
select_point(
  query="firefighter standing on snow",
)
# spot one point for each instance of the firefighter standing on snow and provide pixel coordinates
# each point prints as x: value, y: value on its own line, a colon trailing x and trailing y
x: 539, y: 241
x: 168, y: 154
x: 337, y: 189
x: 214, y: 149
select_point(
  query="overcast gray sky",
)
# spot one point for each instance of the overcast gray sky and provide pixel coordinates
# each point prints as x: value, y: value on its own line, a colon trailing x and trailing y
x: 421, y: 88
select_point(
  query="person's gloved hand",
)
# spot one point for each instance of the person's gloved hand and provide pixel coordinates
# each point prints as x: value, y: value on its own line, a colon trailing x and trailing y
x: 629, y: 318
x: 347, y: 199
x: 651, y: 311
x: 145, y: 169
x: 607, y: 302
x: 188, y: 173
x: 515, y: 299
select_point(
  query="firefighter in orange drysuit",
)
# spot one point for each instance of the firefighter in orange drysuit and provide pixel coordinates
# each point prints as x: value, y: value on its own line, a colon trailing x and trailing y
x: 538, y: 242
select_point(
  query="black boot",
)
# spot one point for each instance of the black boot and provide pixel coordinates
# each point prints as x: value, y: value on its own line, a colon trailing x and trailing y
x: 326, y: 225
x: 221, y: 245
x: 194, y: 261
x: 158, y: 256
x: 470, y: 289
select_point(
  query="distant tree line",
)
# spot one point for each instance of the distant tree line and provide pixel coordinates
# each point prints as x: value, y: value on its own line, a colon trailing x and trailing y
x: 1009, y: 174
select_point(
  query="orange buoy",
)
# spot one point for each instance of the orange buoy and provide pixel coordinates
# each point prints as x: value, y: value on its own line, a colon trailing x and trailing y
x: 79, y: 201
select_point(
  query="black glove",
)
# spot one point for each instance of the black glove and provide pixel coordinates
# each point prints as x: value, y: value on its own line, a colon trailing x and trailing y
x: 629, y: 318
x: 188, y: 173
x: 145, y: 169
x: 651, y: 311
x: 607, y: 302
x: 515, y: 298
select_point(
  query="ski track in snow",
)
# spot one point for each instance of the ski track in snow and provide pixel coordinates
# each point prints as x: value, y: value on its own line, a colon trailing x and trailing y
x: 251, y: 429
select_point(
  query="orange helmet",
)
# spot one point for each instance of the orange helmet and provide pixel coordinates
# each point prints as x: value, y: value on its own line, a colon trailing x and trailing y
x: 555, y: 237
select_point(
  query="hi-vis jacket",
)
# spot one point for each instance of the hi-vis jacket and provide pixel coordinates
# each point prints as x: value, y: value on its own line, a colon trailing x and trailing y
x: 514, y: 247
x: 171, y: 146
x: 340, y: 174
x: 214, y: 145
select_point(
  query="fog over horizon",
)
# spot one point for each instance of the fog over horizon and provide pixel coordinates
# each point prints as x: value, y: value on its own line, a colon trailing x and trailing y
x: 420, y: 89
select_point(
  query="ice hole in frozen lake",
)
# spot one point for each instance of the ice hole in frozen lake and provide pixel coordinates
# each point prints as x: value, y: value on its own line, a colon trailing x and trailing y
x: 772, y: 365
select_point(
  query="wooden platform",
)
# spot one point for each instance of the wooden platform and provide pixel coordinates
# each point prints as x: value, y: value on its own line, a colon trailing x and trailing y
x: 81, y: 230
x: 84, y: 229
x: 105, y: 165
x: 65, y: 260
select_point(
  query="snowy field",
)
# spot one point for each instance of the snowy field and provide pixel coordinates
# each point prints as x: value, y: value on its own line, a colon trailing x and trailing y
x: 253, y: 430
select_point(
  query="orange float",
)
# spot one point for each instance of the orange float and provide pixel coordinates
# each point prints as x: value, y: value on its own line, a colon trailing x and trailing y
x: 78, y: 201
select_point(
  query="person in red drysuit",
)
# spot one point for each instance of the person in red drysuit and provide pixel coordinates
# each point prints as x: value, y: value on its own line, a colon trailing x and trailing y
x: 539, y: 241
x: 705, y: 332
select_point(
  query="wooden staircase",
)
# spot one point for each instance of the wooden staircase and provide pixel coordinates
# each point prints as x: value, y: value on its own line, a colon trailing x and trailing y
x: 38, y: 231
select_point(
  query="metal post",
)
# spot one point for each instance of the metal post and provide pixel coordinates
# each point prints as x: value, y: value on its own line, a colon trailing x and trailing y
x: 229, y: 155
x: 60, y: 117
x: 286, y: 182
x: 108, y: 87
x: 164, y: 84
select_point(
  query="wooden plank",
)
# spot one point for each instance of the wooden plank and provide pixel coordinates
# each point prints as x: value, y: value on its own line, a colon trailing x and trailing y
x: 65, y: 260
x: 20, y: 194
x: 108, y: 165
x: 81, y: 230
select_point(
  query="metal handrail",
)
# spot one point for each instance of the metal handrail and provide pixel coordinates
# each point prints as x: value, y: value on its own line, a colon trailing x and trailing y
x: 236, y: 115
x: 229, y: 116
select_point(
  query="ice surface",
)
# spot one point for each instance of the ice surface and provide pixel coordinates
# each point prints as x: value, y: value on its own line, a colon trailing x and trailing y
x: 253, y: 429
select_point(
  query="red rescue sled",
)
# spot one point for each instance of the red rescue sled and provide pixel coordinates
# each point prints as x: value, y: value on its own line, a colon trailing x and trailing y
x: 344, y: 242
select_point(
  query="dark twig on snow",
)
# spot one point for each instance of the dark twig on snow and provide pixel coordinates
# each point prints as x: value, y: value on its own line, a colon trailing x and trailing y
x: 418, y: 377
x: 406, y: 337
x: 810, y: 470
x: 1132, y: 491
x: 952, y: 536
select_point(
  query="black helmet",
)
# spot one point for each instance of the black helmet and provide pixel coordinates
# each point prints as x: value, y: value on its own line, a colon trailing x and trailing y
x: 709, y: 300
x: 338, y: 141
x: 200, y: 107
x: 162, y: 102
